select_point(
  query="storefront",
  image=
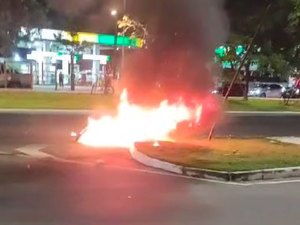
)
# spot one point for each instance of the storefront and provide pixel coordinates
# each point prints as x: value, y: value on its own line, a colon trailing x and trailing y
x: 48, y: 54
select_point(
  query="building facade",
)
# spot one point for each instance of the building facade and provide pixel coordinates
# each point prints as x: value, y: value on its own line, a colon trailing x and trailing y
x: 45, y: 53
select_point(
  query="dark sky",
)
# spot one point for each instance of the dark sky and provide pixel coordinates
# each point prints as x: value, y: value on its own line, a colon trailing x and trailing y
x: 186, y: 33
x: 200, y: 22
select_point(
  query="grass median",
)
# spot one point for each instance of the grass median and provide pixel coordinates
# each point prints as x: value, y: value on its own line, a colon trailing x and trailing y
x: 227, y: 154
x: 262, y: 105
x: 47, y: 100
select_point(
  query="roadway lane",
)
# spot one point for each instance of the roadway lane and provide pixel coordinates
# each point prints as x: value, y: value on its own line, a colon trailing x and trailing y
x: 50, y: 193
x: 259, y: 125
x: 118, y: 192
x: 49, y: 129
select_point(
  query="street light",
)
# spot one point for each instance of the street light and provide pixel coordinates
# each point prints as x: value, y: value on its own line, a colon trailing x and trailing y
x: 113, y: 12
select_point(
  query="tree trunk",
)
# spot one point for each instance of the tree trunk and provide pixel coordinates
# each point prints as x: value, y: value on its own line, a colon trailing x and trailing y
x: 5, y: 75
x: 72, y: 72
x: 247, y: 80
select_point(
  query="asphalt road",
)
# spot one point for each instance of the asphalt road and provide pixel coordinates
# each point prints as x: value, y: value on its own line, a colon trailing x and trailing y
x: 120, y: 191
x: 24, y: 128
x: 50, y: 193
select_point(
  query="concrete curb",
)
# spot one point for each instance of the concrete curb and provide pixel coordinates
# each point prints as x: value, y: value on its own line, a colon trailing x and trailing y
x: 254, y: 175
x: 46, y: 111
x: 262, y: 113
x: 87, y: 111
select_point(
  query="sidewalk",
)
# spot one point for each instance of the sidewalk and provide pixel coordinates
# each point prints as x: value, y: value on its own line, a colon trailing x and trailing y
x: 51, y: 88
x: 65, y: 89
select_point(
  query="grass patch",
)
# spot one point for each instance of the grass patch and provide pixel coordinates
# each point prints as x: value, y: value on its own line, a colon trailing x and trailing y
x: 47, y: 100
x: 228, y: 154
x: 262, y: 105
x: 41, y: 100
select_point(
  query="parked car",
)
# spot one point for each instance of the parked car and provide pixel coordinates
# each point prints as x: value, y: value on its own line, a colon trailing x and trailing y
x: 237, y: 90
x: 16, y: 79
x: 291, y: 92
x: 266, y: 91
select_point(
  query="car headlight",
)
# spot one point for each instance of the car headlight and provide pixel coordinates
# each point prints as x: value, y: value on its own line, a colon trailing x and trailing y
x: 297, y: 91
x: 283, y: 89
x: 258, y: 91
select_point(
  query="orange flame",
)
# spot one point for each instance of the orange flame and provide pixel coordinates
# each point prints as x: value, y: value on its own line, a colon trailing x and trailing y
x: 136, y: 124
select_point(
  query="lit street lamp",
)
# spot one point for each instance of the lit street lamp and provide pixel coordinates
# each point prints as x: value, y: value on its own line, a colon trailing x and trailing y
x: 113, y: 12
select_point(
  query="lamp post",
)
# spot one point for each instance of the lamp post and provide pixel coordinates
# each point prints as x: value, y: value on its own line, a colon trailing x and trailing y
x: 123, y: 47
x: 114, y: 14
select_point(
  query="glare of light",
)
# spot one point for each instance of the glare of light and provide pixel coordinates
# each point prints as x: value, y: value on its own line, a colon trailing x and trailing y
x: 17, y: 57
x: 156, y: 144
x: 257, y: 91
x: 73, y: 134
x: 113, y: 12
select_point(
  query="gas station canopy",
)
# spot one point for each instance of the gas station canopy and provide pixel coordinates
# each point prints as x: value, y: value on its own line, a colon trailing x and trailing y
x: 94, y: 38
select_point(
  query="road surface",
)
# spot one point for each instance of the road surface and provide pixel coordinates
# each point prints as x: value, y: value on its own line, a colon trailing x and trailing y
x: 120, y: 191
x: 26, y: 128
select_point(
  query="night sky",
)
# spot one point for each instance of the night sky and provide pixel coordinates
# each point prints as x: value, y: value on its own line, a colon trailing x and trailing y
x: 185, y: 34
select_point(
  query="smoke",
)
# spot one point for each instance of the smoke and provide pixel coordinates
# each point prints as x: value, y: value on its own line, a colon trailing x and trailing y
x: 86, y: 15
x: 178, y: 61
x: 183, y: 36
x: 70, y: 7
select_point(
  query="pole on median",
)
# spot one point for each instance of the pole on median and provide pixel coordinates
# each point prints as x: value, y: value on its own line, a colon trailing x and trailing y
x: 250, y: 45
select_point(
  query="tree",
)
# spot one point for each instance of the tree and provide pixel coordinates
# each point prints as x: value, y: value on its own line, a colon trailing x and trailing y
x: 293, y: 28
x: 132, y: 27
x: 15, y: 14
x: 273, y: 44
x: 73, y: 47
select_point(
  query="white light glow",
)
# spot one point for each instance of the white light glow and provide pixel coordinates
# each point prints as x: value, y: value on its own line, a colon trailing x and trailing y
x: 113, y: 12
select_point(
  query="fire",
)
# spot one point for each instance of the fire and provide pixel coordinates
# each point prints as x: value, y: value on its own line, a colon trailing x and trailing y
x: 134, y: 123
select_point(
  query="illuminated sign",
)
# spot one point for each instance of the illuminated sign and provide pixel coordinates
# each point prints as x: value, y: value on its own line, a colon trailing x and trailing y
x: 39, y: 55
x: 102, y: 39
x: 102, y: 58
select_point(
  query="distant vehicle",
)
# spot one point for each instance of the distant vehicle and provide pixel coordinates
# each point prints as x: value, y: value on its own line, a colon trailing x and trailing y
x: 291, y: 92
x: 237, y: 90
x: 15, y: 79
x: 266, y: 91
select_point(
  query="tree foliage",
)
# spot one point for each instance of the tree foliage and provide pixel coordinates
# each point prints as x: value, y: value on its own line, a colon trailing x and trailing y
x: 73, y: 47
x: 131, y: 27
x: 276, y: 44
x: 17, y: 13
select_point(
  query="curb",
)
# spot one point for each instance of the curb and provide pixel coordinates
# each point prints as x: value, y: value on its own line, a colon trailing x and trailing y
x: 89, y: 111
x: 46, y: 111
x: 262, y: 113
x: 242, y: 176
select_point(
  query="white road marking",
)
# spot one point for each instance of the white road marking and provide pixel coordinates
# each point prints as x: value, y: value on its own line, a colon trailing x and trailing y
x: 288, y: 140
x: 35, y: 152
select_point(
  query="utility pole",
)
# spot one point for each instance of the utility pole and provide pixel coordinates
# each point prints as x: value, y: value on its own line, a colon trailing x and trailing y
x: 124, y: 5
x: 123, y: 47
x: 250, y: 45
